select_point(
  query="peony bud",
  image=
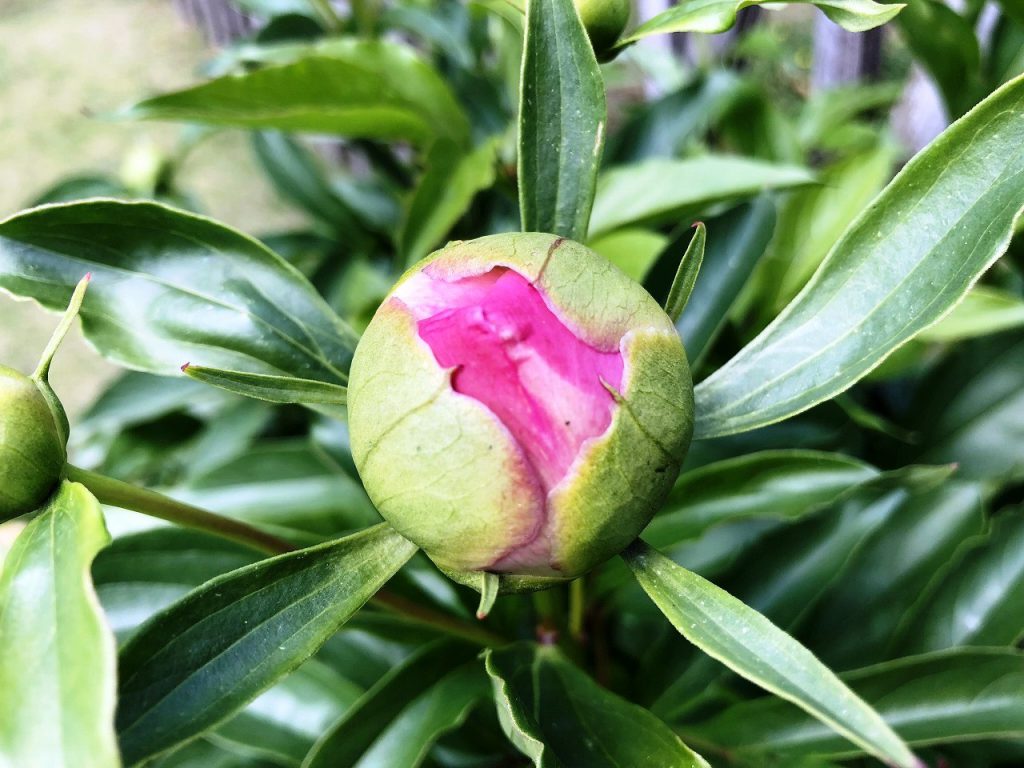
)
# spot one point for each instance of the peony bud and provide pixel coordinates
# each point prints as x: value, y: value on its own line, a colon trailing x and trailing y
x: 32, y: 444
x: 517, y: 405
x: 604, y: 21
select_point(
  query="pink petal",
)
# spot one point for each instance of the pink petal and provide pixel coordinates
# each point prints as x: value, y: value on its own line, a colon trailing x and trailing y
x: 514, y: 355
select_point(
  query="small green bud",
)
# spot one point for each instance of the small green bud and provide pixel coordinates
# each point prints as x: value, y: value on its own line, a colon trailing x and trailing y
x: 519, y: 406
x: 32, y: 445
x: 604, y: 21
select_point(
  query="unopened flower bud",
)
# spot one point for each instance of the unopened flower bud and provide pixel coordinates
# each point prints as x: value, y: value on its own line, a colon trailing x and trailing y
x: 32, y: 445
x: 517, y: 405
x: 604, y: 21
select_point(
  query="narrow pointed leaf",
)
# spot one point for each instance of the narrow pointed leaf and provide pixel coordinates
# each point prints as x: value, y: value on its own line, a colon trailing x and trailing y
x: 686, y: 276
x: 750, y: 645
x: 170, y: 287
x: 955, y: 696
x: 202, y: 659
x: 273, y: 389
x: 713, y: 16
x: 562, y: 118
x: 354, y: 88
x: 558, y: 716
x: 903, y: 264
x: 57, y: 665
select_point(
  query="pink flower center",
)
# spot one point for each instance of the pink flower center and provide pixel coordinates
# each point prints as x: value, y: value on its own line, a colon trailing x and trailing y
x: 514, y: 355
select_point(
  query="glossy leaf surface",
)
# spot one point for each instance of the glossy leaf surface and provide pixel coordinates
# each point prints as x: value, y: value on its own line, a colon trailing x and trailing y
x: 960, y: 695
x: 57, y: 668
x: 169, y: 288
x: 206, y: 656
x: 558, y: 717
x: 744, y: 640
x: 905, y: 262
x: 562, y: 118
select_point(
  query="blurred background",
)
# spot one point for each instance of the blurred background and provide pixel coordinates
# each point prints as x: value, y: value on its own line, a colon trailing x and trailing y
x: 67, y: 65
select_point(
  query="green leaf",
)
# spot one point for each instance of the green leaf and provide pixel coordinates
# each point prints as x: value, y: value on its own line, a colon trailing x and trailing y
x: 633, y: 250
x: 904, y: 263
x: 562, y: 121
x: 750, y: 645
x: 283, y: 723
x: 557, y: 716
x: 856, y: 619
x: 299, y: 178
x: 961, y: 695
x: 664, y: 191
x: 686, y: 276
x: 978, y: 601
x: 741, y: 236
x: 944, y: 42
x: 283, y: 485
x: 354, y: 88
x: 983, y: 311
x: 810, y: 222
x: 776, y: 485
x: 57, y: 667
x: 444, y: 193
x: 326, y: 397
x: 713, y: 16
x: 142, y: 573
x: 395, y: 722
x: 970, y: 410
x: 169, y: 287
x: 202, y: 659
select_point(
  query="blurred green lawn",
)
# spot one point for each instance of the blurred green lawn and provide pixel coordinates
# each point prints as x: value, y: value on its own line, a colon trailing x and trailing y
x: 61, y: 60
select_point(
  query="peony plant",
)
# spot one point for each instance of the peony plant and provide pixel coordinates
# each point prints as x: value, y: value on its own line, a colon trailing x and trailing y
x: 254, y: 549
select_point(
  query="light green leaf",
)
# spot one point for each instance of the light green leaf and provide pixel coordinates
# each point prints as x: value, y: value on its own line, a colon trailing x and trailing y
x: 354, y: 88
x: 633, y: 250
x: 750, y: 645
x: 562, y: 121
x: 904, y: 263
x: 978, y: 601
x: 956, y: 696
x: 445, y: 191
x: 664, y: 191
x: 557, y: 716
x: 57, y: 668
x: 395, y: 723
x: 713, y: 16
x: 983, y: 311
x: 324, y: 396
x: 169, y: 287
x: 202, y: 659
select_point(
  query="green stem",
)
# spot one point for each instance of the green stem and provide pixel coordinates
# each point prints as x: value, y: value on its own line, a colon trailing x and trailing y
x: 450, y: 625
x: 126, y: 496
x: 43, y: 369
x: 577, y: 606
